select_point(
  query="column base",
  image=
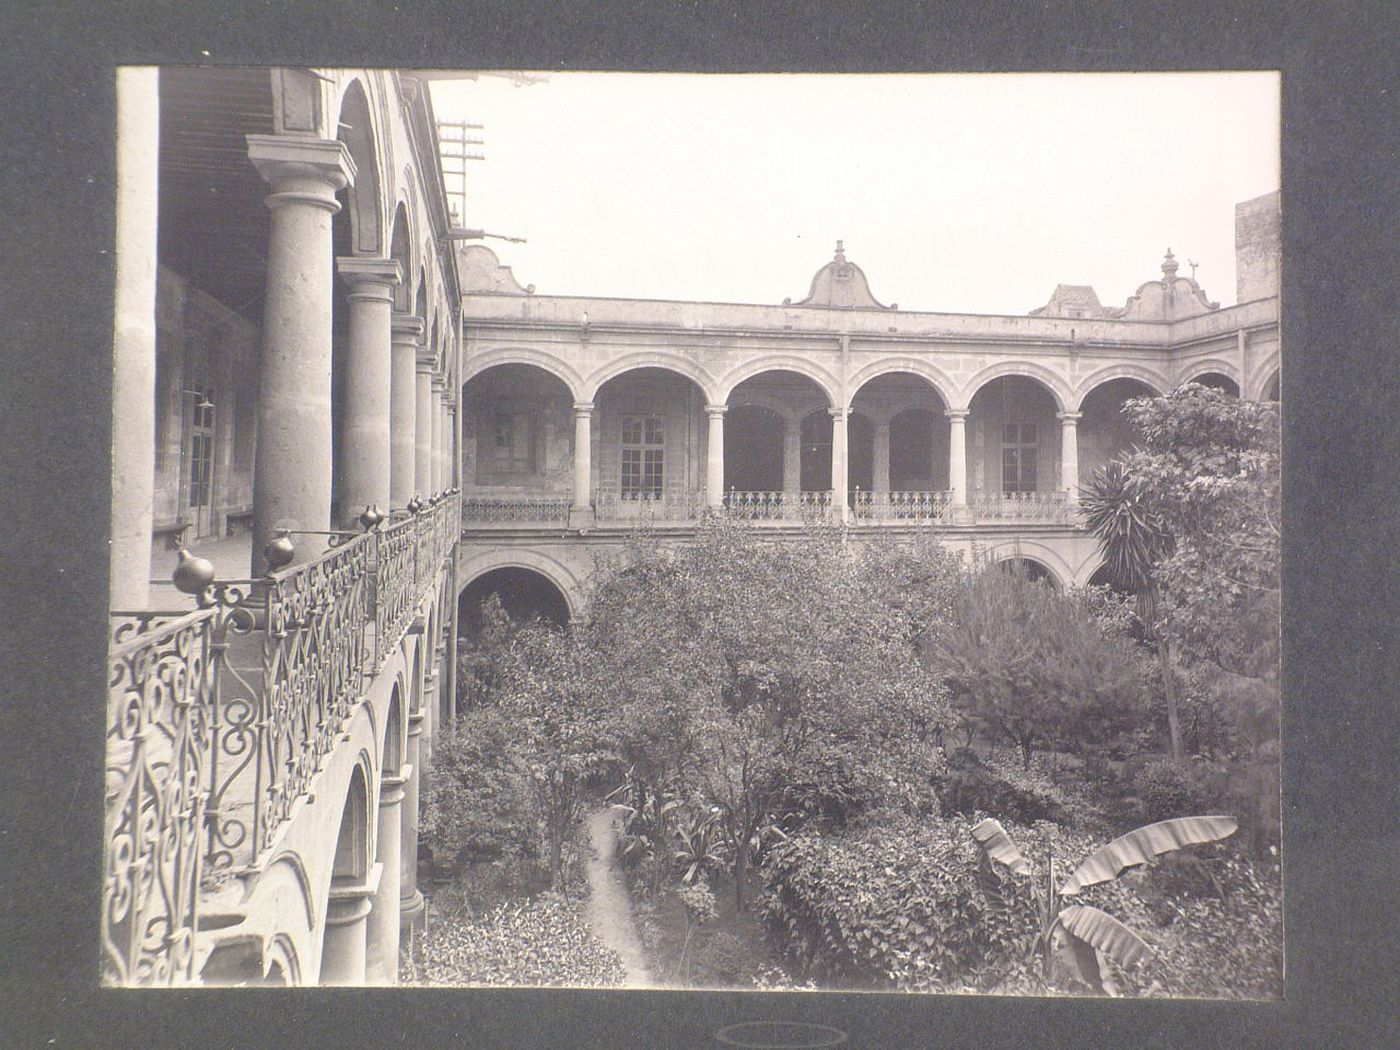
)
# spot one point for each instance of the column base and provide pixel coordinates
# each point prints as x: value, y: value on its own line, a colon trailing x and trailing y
x: 582, y: 518
x: 411, y: 910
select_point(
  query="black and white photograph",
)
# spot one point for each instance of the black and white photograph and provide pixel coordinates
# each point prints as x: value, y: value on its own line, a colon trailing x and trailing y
x: 763, y: 532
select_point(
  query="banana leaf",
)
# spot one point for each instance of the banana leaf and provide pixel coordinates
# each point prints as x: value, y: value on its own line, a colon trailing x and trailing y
x: 991, y: 888
x: 1140, y: 846
x: 1104, y: 932
x: 997, y: 844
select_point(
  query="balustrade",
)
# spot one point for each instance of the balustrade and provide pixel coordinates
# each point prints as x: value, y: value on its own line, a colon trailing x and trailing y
x: 665, y: 506
x: 900, y: 505
x: 778, y: 506
x: 218, y: 720
x: 1044, y: 508
x: 487, y: 510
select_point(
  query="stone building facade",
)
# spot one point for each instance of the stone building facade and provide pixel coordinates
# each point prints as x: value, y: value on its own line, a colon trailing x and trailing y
x: 835, y: 407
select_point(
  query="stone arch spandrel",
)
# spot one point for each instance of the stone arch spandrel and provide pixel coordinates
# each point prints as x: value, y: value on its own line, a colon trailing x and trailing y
x: 941, y: 382
x: 658, y: 359
x: 1057, y: 386
x: 823, y: 377
x: 559, y: 574
x: 1268, y: 373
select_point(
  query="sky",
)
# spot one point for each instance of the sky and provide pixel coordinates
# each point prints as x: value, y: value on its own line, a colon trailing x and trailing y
x: 962, y: 193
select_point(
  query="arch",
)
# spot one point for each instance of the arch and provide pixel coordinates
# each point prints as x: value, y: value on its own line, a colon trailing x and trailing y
x: 659, y: 359
x: 289, y: 867
x: 521, y: 558
x: 1268, y: 388
x: 941, y: 382
x: 521, y: 355
x: 415, y: 679
x: 1197, y: 369
x: 824, y: 379
x: 1155, y: 381
x: 524, y: 594
x: 1031, y: 550
x: 1057, y: 387
x: 352, y: 845
x: 283, y: 964
x: 355, y: 127
x: 401, y: 251
x: 392, y: 748
x: 777, y: 406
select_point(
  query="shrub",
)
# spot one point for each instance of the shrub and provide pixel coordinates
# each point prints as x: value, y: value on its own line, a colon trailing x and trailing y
x: 1166, y: 789
x: 541, y: 941
x: 971, y: 786
x: 901, y: 906
x: 477, y: 807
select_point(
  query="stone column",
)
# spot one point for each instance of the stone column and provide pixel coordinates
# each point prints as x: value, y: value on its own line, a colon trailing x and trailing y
x: 436, y: 461
x: 403, y: 407
x: 714, y: 457
x: 1069, y: 455
x: 451, y: 683
x: 134, y: 345
x: 423, y: 424
x: 454, y: 441
x: 292, y: 463
x: 410, y: 898
x: 881, y: 481
x: 368, y: 379
x: 838, y: 463
x: 382, y: 957
x: 957, y: 462
x: 792, y: 456
x: 581, y: 513
x: 344, y: 945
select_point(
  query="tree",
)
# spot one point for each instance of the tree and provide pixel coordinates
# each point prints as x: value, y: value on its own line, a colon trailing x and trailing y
x: 1190, y: 518
x: 737, y: 666
x: 1134, y: 540
x: 1075, y: 939
x: 1030, y: 664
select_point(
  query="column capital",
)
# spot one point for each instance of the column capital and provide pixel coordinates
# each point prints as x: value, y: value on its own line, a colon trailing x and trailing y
x: 583, y: 408
x: 716, y: 410
x: 427, y: 360
x: 406, y: 328
x: 1069, y: 419
x: 280, y: 158
x: 370, y: 277
x: 840, y: 412
x: 350, y: 899
x: 439, y: 383
x: 958, y: 415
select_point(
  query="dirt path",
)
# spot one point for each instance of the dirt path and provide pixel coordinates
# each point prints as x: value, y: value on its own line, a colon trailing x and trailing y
x: 609, y: 909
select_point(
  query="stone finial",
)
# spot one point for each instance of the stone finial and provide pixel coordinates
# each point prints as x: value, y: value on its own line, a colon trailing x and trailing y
x: 1169, y: 265
x: 840, y: 251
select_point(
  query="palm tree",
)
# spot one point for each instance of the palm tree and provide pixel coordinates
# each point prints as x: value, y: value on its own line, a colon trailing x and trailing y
x: 1133, y: 540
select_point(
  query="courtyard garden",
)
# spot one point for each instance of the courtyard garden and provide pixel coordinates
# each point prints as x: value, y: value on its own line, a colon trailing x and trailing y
x: 802, y: 762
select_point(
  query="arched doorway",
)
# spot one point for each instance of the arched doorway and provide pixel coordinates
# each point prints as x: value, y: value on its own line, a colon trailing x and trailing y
x: 526, y: 595
x: 1013, y: 451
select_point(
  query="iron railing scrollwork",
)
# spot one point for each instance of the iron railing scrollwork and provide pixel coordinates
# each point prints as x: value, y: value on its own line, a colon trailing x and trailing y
x: 524, y: 510
x: 807, y: 506
x: 219, y: 718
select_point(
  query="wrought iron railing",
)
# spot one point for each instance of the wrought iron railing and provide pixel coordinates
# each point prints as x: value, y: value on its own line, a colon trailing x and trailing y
x: 161, y: 687
x: 488, y: 510
x: 899, y: 505
x: 218, y: 720
x: 1044, y: 508
x: 778, y: 506
x: 645, y: 507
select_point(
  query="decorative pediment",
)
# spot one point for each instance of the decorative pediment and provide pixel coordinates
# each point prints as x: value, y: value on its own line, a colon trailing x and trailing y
x: 481, y: 272
x: 841, y: 285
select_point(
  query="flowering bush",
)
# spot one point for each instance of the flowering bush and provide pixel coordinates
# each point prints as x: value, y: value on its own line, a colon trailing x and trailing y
x: 541, y: 941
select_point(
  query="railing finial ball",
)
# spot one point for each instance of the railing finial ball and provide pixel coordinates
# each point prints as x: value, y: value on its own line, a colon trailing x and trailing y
x: 279, y: 552
x: 192, y: 575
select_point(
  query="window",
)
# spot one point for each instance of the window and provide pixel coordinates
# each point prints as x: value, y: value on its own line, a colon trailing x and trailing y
x: 642, y: 454
x: 1018, y: 457
x: 512, y: 443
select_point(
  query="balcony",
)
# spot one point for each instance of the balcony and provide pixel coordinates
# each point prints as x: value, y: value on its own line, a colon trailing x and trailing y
x: 220, y: 718
x: 680, y: 509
